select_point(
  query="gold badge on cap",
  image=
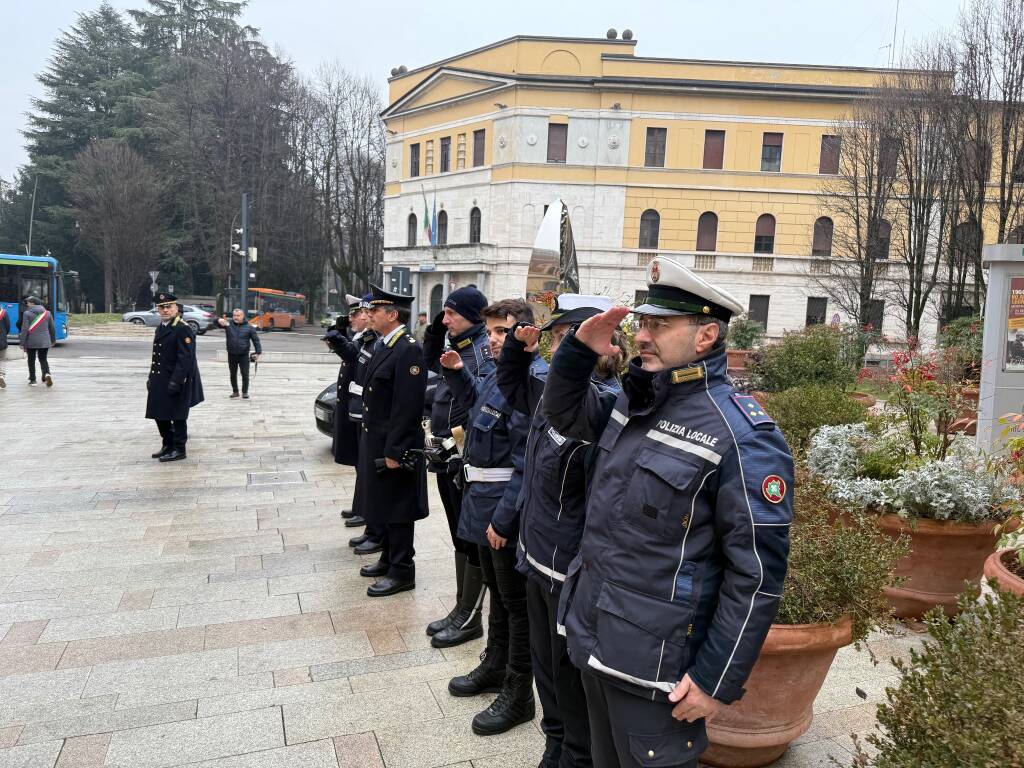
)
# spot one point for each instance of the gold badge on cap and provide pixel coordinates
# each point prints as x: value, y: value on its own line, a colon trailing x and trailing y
x: 655, y: 271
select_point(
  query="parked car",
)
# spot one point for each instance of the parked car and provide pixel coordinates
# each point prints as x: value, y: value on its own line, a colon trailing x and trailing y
x: 328, y: 320
x: 323, y: 406
x: 199, y: 319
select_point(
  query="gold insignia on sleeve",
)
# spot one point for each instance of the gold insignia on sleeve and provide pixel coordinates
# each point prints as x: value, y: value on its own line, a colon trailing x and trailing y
x: 414, y: 370
x: 681, y: 375
x: 188, y: 340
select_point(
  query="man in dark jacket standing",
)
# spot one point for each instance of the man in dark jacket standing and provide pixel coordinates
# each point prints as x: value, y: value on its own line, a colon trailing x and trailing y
x: 38, y: 334
x: 393, y: 479
x: 462, y: 327
x: 174, y: 385
x: 684, y: 555
x: 5, y: 329
x: 239, y: 335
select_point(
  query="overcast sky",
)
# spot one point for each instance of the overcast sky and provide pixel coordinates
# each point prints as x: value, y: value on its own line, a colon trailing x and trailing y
x: 373, y: 37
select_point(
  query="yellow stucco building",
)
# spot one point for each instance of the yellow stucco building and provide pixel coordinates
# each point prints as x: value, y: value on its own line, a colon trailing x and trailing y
x: 717, y: 164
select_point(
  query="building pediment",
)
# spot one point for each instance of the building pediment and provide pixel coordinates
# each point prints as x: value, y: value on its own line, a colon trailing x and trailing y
x: 446, y: 86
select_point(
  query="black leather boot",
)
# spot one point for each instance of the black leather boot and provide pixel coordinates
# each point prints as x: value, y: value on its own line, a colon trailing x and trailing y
x: 460, y: 567
x: 514, y: 706
x: 465, y: 624
x: 486, y: 678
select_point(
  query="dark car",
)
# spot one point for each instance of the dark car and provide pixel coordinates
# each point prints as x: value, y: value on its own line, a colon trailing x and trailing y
x: 323, y: 406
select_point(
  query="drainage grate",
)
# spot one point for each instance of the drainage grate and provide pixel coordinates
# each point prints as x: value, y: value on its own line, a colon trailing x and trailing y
x: 275, y: 478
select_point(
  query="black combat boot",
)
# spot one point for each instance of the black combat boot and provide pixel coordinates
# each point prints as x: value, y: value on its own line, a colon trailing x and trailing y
x: 486, y: 678
x: 465, y: 624
x: 460, y: 568
x: 514, y: 706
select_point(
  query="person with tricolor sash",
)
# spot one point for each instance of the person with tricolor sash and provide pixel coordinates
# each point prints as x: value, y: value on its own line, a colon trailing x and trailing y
x: 38, y: 334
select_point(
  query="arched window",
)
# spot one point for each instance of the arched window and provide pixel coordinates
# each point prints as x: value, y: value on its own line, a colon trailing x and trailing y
x: 764, y: 234
x: 821, y: 248
x: 707, y: 232
x: 411, y: 236
x: 474, y: 225
x: 650, y: 225
x: 436, y: 297
x: 879, y: 245
x: 442, y: 229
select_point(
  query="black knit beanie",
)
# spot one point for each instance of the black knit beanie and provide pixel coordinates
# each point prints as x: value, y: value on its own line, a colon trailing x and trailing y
x: 468, y: 302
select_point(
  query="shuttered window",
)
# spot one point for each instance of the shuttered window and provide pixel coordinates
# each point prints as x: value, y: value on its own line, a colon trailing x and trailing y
x: 411, y: 231
x: 714, y: 149
x: 442, y: 228
x: 478, y: 147
x: 558, y: 136
x: 828, y: 162
x: 446, y: 154
x: 414, y: 159
x: 821, y: 248
x: 707, y: 232
x: 654, y: 154
x: 650, y: 226
x: 474, y: 225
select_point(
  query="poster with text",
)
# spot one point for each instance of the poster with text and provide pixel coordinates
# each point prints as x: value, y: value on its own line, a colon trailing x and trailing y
x: 1015, y: 326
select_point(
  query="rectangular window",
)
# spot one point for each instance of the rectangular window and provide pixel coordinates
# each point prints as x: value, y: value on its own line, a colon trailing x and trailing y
x: 414, y: 160
x: 478, y: 147
x: 876, y: 315
x: 654, y: 154
x: 446, y: 154
x: 714, y: 149
x: 771, y: 152
x: 758, y: 310
x: 828, y: 163
x: 558, y: 137
x: 816, y: 309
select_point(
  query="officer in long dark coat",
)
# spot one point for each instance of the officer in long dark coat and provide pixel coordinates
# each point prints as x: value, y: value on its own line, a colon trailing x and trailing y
x: 174, y: 384
x: 393, y: 479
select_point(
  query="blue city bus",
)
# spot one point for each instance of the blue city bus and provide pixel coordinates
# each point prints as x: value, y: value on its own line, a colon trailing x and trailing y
x: 41, y: 276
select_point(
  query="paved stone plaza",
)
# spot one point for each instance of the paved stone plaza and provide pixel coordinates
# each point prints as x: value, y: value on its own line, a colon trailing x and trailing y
x: 201, y: 614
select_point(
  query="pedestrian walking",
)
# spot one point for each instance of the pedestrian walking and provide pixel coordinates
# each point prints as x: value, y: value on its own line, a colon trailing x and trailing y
x: 38, y: 333
x: 391, y: 476
x: 174, y: 386
x: 239, y: 336
x: 551, y: 520
x: 5, y: 330
x: 683, y: 558
x: 421, y: 327
x: 460, y: 327
x: 493, y: 471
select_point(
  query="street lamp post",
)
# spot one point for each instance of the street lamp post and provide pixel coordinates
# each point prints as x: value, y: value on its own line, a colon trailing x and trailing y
x: 243, y: 283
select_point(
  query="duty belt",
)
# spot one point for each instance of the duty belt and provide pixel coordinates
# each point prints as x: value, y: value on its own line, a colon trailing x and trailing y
x: 487, y: 474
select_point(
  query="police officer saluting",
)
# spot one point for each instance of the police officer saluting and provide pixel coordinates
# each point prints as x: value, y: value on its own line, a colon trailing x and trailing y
x: 393, y: 480
x: 174, y: 385
x: 462, y: 326
x: 684, y: 552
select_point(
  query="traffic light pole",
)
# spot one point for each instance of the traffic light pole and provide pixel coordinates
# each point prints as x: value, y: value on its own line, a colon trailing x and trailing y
x: 243, y: 283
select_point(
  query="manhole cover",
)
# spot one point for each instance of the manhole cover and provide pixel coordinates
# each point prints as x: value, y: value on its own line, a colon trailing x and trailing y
x: 275, y: 478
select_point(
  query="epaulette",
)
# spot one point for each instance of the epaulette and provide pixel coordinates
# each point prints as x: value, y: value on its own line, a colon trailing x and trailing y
x: 464, y: 343
x: 753, y: 410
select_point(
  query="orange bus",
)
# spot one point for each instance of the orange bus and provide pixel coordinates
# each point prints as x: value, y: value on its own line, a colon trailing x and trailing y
x: 270, y: 309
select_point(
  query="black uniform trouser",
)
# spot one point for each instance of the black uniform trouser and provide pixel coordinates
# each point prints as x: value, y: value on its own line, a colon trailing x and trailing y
x: 398, y: 550
x: 559, y: 684
x: 236, y: 362
x: 174, y: 433
x: 451, y: 498
x: 507, y: 623
x: 626, y: 729
x: 43, y: 363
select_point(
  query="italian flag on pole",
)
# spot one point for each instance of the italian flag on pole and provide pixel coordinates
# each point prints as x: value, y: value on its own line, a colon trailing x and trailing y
x: 426, y: 221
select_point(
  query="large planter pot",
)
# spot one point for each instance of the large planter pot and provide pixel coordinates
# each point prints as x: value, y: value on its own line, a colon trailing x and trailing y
x: 997, y: 571
x: 863, y: 398
x: 777, y: 707
x: 737, y: 359
x: 943, y: 555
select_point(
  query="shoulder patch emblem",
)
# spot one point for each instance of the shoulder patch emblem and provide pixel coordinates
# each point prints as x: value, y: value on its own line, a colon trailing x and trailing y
x: 188, y: 339
x: 464, y: 343
x: 774, y: 488
x: 414, y: 370
x: 752, y: 409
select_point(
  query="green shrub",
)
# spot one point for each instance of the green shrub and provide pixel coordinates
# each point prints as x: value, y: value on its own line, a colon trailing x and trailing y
x: 801, y: 410
x: 815, y: 355
x: 744, y: 333
x: 960, y: 700
x: 964, y: 335
x: 839, y: 563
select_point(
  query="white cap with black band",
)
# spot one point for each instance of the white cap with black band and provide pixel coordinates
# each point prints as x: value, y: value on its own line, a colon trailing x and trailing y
x: 672, y: 289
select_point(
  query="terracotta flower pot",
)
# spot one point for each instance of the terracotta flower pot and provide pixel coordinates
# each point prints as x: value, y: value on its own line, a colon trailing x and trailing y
x: 737, y: 359
x: 943, y: 555
x: 777, y: 707
x: 997, y: 571
x: 864, y: 398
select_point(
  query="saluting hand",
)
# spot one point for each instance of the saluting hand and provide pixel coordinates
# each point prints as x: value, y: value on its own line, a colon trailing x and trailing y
x: 451, y: 360
x: 693, y: 703
x: 530, y: 336
x: 596, y: 332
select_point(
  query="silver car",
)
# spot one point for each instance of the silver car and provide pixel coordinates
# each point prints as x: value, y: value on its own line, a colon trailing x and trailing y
x: 198, y: 319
